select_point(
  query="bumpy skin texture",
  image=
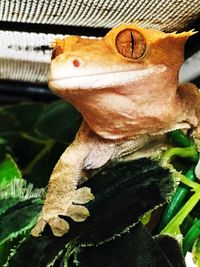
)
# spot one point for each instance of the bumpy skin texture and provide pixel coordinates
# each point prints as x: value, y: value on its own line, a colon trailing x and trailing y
x: 126, y: 87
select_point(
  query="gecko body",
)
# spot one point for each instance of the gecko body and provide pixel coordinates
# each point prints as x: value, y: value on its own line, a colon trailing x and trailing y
x: 126, y: 87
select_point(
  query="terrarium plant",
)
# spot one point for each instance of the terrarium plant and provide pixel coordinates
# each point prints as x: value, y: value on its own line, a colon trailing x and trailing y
x: 145, y: 210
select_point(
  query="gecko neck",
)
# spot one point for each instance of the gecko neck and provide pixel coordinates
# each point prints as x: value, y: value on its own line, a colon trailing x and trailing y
x: 123, y: 112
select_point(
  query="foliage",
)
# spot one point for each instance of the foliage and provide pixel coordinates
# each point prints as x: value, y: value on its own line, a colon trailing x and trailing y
x: 32, y: 138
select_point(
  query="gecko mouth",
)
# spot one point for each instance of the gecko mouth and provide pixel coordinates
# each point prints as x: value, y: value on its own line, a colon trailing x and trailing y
x: 104, y: 79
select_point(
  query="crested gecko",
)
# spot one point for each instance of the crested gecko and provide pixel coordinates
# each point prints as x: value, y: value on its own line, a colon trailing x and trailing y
x: 126, y: 87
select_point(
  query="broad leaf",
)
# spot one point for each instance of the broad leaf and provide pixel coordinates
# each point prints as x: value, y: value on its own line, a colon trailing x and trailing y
x: 8, y: 172
x: 134, y: 249
x: 18, y: 219
x: 123, y: 191
x: 19, y: 117
x: 59, y: 121
x: 41, y: 169
x: 18, y: 191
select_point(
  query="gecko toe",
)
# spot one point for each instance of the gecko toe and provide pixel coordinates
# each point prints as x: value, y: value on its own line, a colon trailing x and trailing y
x: 82, y: 195
x: 78, y: 213
x: 58, y: 226
x: 39, y: 227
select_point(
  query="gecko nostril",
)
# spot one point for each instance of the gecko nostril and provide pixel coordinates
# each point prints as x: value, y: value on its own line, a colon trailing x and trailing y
x: 76, y: 63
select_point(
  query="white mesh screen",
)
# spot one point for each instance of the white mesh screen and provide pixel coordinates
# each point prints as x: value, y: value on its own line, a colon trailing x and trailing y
x: 25, y: 56
x: 162, y: 14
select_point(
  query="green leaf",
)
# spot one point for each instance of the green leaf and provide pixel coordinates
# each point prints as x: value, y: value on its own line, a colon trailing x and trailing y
x: 8, y: 171
x: 191, y: 236
x: 18, y: 190
x: 18, y: 219
x: 17, y: 129
x: 40, y: 169
x: 7, y: 203
x: 59, y: 121
x: 20, y: 117
x: 129, y: 189
x: 25, y: 155
x: 173, y: 227
x: 123, y: 193
x: 196, y: 251
x: 4, y: 148
x: 178, y: 199
x: 8, y: 122
x: 135, y: 249
x: 172, y: 250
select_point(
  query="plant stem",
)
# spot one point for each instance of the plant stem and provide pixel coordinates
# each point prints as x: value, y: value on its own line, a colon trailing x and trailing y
x: 44, y: 151
x: 191, y: 236
x: 180, y: 139
x: 187, y: 152
x: 173, y: 226
x: 35, y: 139
x: 48, y: 145
x: 177, y: 201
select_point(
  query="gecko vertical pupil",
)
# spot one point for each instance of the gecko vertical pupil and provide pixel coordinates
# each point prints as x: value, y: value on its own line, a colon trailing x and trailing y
x: 130, y: 44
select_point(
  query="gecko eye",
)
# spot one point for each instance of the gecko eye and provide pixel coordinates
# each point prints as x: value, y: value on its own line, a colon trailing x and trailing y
x: 131, y: 44
x: 56, y: 51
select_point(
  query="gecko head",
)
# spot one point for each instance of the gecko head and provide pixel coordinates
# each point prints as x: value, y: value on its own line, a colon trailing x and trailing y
x: 126, y: 54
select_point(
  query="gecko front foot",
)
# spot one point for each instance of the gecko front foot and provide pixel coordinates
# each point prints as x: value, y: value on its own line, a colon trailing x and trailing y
x: 66, y: 205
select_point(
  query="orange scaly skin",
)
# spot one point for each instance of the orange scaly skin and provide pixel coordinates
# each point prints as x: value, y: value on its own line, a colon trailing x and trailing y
x: 126, y: 87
